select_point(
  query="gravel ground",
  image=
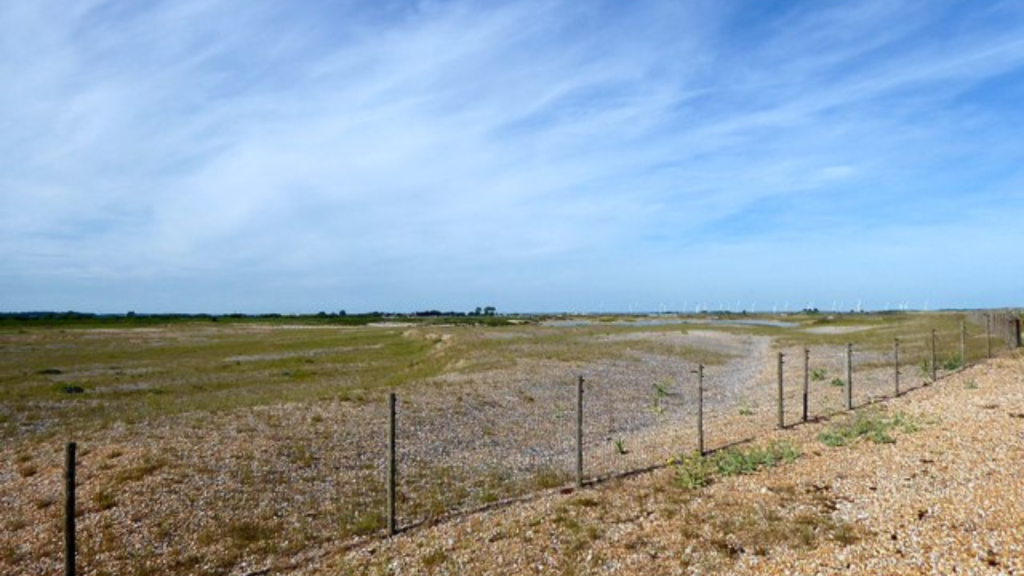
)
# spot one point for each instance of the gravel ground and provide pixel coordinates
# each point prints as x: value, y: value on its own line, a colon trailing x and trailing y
x: 946, y: 499
x: 283, y: 487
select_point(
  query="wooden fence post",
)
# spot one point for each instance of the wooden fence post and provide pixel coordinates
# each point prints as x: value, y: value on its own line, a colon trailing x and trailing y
x: 700, y: 409
x: 392, y: 465
x: 896, y: 362
x: 963, y: 344
x: 69, y: 510
x: 849, y: 376
x: 579, y: 432
x: 1016, y: 333
x: 934, y: 363
x: 988, y: 334
x: 807, y: 382
x: 781, y: 414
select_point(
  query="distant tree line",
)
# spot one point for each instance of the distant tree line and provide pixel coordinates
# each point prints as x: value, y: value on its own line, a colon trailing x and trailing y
x: 136, y: 318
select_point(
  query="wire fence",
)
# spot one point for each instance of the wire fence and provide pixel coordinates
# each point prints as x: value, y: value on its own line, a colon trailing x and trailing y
x: 456, y: 452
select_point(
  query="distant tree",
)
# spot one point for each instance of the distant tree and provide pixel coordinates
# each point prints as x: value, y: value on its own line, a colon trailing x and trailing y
x: 130, y: 314
x: 490, y: 311
x: 478, y: 311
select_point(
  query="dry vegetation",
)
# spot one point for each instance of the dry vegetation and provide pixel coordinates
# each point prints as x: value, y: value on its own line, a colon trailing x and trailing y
x: 236, y: 448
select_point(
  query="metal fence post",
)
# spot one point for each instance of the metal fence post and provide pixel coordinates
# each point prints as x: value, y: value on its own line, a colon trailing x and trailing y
x: 782, y: 419
x: 807, y: 382
x: 579, y: 432
x: 69, y: 510
x: 896, y: 362
x: 392, y: 465
x: 700, y: 409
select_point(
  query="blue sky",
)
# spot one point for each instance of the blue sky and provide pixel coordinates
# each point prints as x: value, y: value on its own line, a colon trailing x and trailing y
x: 254, y: 156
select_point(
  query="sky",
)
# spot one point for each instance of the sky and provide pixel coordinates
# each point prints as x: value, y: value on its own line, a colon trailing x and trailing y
x: 254, y: 156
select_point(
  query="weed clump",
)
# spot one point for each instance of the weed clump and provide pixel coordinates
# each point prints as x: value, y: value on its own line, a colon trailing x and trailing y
x: 695, y: 471
x: 873, y: 426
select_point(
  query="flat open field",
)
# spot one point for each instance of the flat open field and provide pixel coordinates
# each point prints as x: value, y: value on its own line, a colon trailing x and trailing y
x: 231, y: 448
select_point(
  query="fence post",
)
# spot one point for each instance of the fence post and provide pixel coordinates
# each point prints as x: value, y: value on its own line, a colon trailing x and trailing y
x: 1016, y: 333
x: 934, y: 367
x: 963, y: 344
x: 579, y: 432
x: 700, y: 409
x: 896, y: 361
x: 988, y: 334
x: 849, y: 376
x: 392, y: 465
x: 807, y: 382
x: 782, y: 419
x: 69, y: 510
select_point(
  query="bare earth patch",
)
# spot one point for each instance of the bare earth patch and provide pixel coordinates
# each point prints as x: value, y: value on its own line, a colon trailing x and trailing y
x: 837, y: 329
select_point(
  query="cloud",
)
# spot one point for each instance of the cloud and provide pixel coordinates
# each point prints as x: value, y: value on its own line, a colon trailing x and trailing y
x: 398, y: 153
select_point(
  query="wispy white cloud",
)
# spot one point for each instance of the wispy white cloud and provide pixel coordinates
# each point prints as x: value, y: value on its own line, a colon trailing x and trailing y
x: 400, y: 155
